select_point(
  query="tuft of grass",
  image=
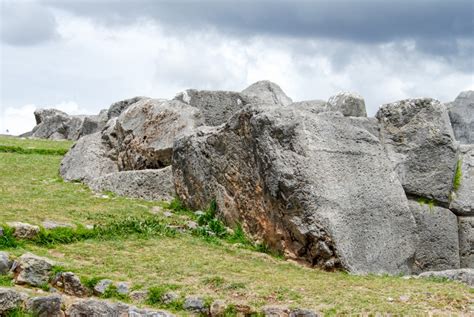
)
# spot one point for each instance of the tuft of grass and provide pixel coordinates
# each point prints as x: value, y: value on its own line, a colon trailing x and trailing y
x: 214, y: 281
x: 156, y: 293
x: 91, y: 282
x: 425, y: 201
x: 18, y: 312
x: 112, y: 292
x: 22, y: 150
x: 177, y: 206
x: 6, y: 280
x: 7, y: 240
x: 457, y: 176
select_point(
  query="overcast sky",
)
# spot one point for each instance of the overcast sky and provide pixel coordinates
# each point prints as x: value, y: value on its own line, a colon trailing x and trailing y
x: 80, y: 56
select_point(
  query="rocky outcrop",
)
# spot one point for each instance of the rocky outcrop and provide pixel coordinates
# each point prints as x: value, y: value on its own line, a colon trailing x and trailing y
x: 419, y: 141
x: 10, y: 299
x: 438, y: 244
x: 462, y: 197
x: 154, y: 184
x: 45, y: 306
x: 118, y: 107
x: 70, y: 284
x: 348, y: 103
x: 87, y: 160
x: 32, y: 270
x: 56, y: 125
x: 466, y: 241
x: 314, y: 186
x: 315, y: 106
x: 142, y: 136
x: 461, y: 114
x: 265, y: 91
x: 216, y: 106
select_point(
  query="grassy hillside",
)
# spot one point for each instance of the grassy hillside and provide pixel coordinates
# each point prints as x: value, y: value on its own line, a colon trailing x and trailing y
x: 147, y: 256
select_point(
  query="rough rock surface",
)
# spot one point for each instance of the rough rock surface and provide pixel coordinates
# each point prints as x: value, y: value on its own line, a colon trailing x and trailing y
x: 142, y: 136
x: 420, y: 142
x: 46, y: 306
x: 9, y: 299
x: 24, y: 230
x: 70, y: 284
x: 461, y: 114
x: 102, y: 286
x: 93, y: 123
x: 315, y: 106
x: 5, y: 263
x: 315, y: 186
x: 462, y: 275
x: 195, y: 304
x: 466, y: 241
x: 118, y: 107
x: 216, y: 106
x: 55, y: 124
x: 462, y: 200
x: 348, y: 103
x: 87, y: 159
x: 156, y: 184
x: 438, y: 244
x: 92, y: 307
x: 265, y: 91
x: 32, y: 270
x: 303, y: 313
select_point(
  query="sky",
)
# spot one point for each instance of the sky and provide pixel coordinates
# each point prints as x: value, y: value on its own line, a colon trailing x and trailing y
x: 80, y: 56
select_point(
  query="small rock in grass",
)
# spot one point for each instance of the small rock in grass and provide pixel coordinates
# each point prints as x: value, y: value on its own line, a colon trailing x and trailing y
x: 218, y: 308
x: 139, y: 296
x: 92, y: 307
x: 192, y: 225
x: 10, y: 299
x: 138, y: 312
x: 156, y: 210
x: 169, y: 297
x: 275, y: 311
x: 404, y: 298
x: 5, y: 263
x: 47, y: 306
x: 298, y: 312
x: 49, y: 224
x: 70, y: 284
x: 195, y: 304
x: 102, y: 286
x: 24, y: 230
x: 122, y: 288
x: 32, y: 270
x: 167, y: 214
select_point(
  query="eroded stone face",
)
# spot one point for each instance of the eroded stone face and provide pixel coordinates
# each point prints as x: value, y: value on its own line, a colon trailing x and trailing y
x: 461, y: 114
x: 265, y: 91
x: 462, y: 199
x: 350, y: 104
x: 314, y: 186
x: 419, y: 141
x: 466, y: 241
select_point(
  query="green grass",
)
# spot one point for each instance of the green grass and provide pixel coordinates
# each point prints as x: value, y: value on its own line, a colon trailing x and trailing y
x: 132, y: 245
x: 21, y: 150
x: 457, y: 176
x: 35, y: 143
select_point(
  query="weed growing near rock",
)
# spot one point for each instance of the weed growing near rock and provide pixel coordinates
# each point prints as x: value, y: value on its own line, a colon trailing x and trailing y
x: 457, y: 176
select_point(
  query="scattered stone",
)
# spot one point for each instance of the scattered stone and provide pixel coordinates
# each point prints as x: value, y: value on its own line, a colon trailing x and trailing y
x: 168, y: 214
x: 5, y: 263
x: 348, y: 103
x: 192, y: 225
x: 357, y: 218
x: 419, y: 141
x: 243, y: 309
x: 87, y: 160
x: 216, y: 106
x: 102, y: 286
x: 10, y: 299
x: 49, y: 224
x: 153, y: 184
x: 462, y: 275
x: 462, y: 199
x: 47, y: 306
x: 404, y: 298
x: 32, y: 270
x: 70, y: 284
x: 267, y: 92
x: 466, y: 241
x: 461, y: 114
x: 139, y: 296
x: 24, y: 230
x: 92, y: 307
x: 303, y: 313
x: 123, y: 288
x: 169, y: 297
x: 218, y: 308
x: 195, y: 304
x: 438, y: 242
x: 273, y: 311
x: 136, y: 312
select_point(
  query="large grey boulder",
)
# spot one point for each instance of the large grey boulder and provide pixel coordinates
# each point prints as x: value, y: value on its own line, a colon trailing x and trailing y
x: 45, y: 306
x: 10, y: 299
x: 54, y: 124
x: 22, y: 230
x: 5, y: 263
x: 438, y: 244
x: 70, y: 284
x: 216, y: 106
x: 156, y: 184
x: 265, y: 91
x: 315, y: 106
x: 32, y: 270
x: 461, y: 275
x: 419, y: 141
x: 93, y: 123
x: 142, y: 136
x: 315, y: 186
x: 461, y: 113
x: 462, y: 198
x: 92, y: 307
x: 350, y: 104
x: 87, y: 160
x: 118, y: 107
x: 466, y: 241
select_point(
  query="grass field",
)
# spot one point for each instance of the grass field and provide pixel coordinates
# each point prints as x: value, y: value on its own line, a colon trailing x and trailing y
x: 32, y: 191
